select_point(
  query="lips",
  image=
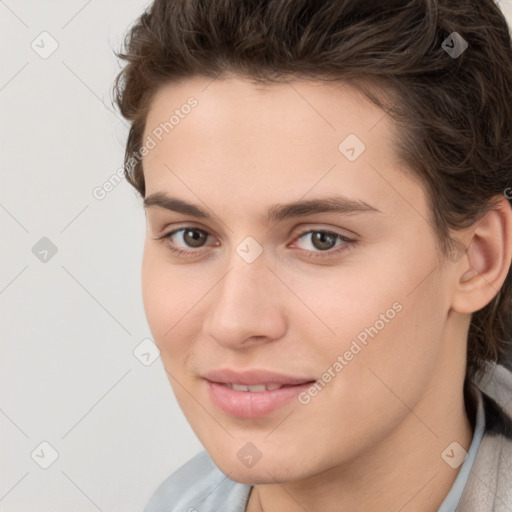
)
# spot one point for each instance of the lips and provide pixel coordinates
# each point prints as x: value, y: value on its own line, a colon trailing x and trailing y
x: 252, y: 393
x: 250, y: 405
x: 265, y: 378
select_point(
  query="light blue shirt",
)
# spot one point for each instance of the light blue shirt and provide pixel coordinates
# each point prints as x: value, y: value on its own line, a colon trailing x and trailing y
x: 453, y: 497
x: 199, y: 486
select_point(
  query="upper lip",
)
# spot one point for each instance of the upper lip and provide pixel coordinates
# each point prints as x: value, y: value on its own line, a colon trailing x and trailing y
x: 252, y: 377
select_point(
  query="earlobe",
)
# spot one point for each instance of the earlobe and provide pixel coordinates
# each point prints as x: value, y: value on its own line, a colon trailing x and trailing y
x: 484, y: 268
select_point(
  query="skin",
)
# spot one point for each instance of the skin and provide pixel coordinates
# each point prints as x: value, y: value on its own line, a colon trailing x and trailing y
x: 372, y: 439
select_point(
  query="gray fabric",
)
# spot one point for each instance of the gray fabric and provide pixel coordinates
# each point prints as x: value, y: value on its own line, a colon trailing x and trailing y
x: 489, y: 486
x: 483, y: 484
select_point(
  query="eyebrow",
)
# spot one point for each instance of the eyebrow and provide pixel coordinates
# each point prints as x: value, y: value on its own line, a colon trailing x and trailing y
x: 276, y: 213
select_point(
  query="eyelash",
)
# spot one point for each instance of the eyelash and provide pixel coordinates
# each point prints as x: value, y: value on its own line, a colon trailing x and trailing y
x: 315, y: 254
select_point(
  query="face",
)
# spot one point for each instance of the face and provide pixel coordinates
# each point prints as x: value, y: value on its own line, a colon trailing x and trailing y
x: 353, y: 300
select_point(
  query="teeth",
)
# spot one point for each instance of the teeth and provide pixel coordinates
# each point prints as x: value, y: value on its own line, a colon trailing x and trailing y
x: 255, y: 389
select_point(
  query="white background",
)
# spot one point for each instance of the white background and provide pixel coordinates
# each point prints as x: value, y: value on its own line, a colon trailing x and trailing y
x: 69, y: 325
x: 68, y: 375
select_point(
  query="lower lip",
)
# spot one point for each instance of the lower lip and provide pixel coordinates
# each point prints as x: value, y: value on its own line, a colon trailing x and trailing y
x: 251, y: 404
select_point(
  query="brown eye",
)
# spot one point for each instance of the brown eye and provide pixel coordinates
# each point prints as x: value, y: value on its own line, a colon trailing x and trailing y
x: 323, y: 243
x: 194, y: 237
x: 323, y: 240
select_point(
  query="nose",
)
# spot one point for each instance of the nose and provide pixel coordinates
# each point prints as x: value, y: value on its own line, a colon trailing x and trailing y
x: 247, y: 306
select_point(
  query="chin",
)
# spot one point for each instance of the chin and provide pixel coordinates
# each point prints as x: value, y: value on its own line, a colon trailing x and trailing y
x: 251, y: 478
x: 263, y: 472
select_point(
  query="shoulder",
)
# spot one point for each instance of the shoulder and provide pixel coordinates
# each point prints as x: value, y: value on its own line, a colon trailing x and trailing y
x: 489, y: 484
x: 196, y: 486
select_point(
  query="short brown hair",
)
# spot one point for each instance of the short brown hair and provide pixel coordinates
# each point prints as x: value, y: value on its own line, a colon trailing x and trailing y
x: 453, y: 113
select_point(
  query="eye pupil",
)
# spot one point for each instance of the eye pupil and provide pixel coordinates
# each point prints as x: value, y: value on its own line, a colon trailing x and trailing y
x: 196, y: 239
x: 319, y: 236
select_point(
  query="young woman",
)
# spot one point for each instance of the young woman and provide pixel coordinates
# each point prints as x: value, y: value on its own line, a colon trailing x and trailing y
x: 327, y: 186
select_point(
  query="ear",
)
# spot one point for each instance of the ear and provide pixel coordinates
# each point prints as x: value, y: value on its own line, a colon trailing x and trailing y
x: 482, y: 271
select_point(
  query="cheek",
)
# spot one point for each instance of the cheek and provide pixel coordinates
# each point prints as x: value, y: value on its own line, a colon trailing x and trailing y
x: 345, y: 301
x: 388, y: 322
x: 163, y: 295
x: 390, y: 356
x: 172, y: 297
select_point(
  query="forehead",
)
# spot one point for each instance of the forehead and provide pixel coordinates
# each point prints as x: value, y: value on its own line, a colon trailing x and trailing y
x: 328, y: 109
x: 249, y: 140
